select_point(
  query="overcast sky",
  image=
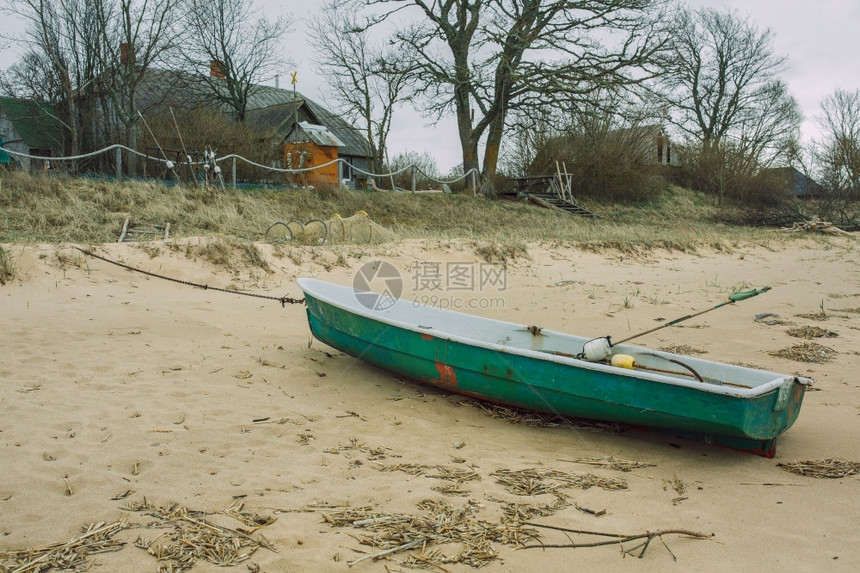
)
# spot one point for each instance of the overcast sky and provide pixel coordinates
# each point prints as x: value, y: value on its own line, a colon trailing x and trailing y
x: 821, y: 39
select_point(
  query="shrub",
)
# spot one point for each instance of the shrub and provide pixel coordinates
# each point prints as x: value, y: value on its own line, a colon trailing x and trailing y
x: 608, y: 165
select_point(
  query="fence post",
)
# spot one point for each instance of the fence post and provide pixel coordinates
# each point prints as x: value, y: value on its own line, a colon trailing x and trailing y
x: 474, y: 184
x: 233, y: 171
x: 413, y: 179
x: 118, y: 162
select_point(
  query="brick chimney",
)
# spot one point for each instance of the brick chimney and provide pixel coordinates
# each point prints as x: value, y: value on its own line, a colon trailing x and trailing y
x: 216, y: 70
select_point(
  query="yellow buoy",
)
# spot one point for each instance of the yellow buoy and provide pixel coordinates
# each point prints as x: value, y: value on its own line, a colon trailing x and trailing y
x: 623, y: 361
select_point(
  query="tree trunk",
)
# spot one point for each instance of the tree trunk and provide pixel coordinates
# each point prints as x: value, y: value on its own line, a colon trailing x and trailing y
x: 131, y: 161
x: 72, y: 123
x: 469, y: 145
x: 491, y: 155
x: 468, y: 136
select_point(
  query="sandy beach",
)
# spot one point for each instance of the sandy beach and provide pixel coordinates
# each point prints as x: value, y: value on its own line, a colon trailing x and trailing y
x: 120, y: 391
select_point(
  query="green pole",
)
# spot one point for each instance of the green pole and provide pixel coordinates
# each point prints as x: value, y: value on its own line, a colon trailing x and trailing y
x: 733, y: 298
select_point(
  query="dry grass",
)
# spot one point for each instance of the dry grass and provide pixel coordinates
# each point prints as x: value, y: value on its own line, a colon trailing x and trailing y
x: 72, y: 555
x: 229, y: 253
x: 58, y: 209
x: 539, y: 419
x: 195, y: 538
x: 620, y: 465
x: 810, y: 332
x: 497, y: 254
x: 806, y: 352
x: 684, y: 349
x: 8, y: 270
x: 533, y: 481
x: 440, y: 523
x: 832, y: 468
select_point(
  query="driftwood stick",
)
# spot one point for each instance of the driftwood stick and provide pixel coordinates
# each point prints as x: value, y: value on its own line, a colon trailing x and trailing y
x: 648, y: 536
x: 124, y: 230
x: 579, y: 531
x: 386, y: 552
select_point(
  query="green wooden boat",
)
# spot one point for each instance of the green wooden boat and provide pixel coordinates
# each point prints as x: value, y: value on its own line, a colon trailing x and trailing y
x: 534, y: 368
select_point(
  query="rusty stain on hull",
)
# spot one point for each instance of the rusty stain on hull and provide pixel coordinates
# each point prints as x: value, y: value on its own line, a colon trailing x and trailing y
x: 447, y: 377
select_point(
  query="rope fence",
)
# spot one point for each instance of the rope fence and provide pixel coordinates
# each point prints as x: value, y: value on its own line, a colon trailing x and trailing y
x: 119, y: 148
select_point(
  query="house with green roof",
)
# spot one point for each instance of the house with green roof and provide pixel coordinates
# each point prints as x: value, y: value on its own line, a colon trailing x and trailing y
x: 31, y: 128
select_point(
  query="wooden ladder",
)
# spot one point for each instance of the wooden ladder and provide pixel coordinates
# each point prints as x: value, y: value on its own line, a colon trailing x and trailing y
x: 135, y: 233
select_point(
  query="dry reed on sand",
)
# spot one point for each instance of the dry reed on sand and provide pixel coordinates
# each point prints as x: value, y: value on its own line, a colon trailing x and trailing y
x: 521, y: 512
x: 540, y: 420
x: 613, y: 463
x: 810, y: 332
x: 684, y: 349
x: 806, y: 352
x: 71, y: 555
x: 194, y: 537
x: 820, y: 315
x: 441, y: 523
x: 829, y: 468
x: 438, y: 471
x: 855, y: 310
x: 535, y: 482
x: 454, y: 476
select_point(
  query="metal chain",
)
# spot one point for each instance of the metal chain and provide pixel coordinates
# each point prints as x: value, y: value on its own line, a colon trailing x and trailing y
x: 281, y: 299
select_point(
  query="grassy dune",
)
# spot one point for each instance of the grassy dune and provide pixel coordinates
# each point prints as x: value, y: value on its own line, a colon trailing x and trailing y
x: 57, y: 209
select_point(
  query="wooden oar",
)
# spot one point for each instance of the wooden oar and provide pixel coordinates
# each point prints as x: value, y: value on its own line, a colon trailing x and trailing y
x: 736, y: 297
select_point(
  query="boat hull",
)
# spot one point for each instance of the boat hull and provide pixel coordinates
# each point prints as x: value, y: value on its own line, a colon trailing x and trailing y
x: 556, y: 387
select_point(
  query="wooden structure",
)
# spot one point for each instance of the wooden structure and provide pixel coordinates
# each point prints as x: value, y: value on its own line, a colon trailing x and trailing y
x: 552, y: 192
x: 309, y: 145
x: 136, y: 232
x: 271, y: 111
x: 287, y: 121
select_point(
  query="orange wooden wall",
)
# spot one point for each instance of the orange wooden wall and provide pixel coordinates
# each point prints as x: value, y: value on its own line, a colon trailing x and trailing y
x: 318, y: 155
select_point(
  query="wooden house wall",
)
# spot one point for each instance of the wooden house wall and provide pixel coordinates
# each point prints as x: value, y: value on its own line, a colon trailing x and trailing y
x: 317, y: 155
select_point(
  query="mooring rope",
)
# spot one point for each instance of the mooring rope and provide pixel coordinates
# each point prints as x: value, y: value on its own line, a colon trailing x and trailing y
x: 284, y: 300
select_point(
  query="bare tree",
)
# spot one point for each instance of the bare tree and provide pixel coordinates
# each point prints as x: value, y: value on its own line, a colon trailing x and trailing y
x: 135, y: 34
x: 233, y: 49
x: 839, y: 156
x: 423, y: 169
x: 608, y: 144
x: 91, y: 56
x: 721, y: 82
x: 59, y: 65
x: 32, y: 77
x: 483, y: 58
x: 368, y: 80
